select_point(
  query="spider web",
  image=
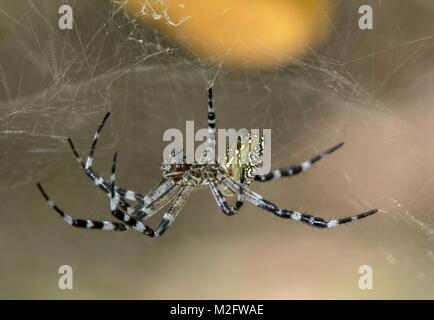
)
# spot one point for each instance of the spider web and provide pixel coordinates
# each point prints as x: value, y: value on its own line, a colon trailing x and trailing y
x: 370, y: 89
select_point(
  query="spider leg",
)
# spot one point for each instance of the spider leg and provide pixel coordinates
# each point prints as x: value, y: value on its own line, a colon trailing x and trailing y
x: 221, y: 200
x: 296, y: 169
x: 240, y: 199
x: 240, y: 195
x: 82, y: 223
x: 160, y: 196
x: 168, y: 217
x: 145, y: 201
x: 97, y: 180
x: 211, y: 123
x: 173, y: 211
x: 262, y: 203
x: 114, y: 202
x: 88, y: 166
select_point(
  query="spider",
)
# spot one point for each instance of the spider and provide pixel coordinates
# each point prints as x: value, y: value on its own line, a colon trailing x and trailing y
x: 180, y: 180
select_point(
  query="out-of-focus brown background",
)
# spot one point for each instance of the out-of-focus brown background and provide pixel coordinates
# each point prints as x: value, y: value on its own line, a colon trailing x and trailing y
x: 372, y: 89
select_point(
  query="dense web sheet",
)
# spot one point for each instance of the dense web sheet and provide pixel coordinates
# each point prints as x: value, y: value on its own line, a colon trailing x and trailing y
x: 54, y: 80
x: 374, y: 92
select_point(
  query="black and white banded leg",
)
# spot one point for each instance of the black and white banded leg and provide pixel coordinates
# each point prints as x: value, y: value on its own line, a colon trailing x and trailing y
x: 137, y: 225
x: 173, y: 211
x: 296, y: 169
x: 82, y: 223
x: 116, y: 212
x: 144, y: 201
x: 240, y: 199
x: 88, y: 166
x: 156, y: 199
x: 211, y: 124
x: 219, y: 198
x: 240, y: 196
x: 311, y: 220
x: 98, y: 181
x: 148, y: 204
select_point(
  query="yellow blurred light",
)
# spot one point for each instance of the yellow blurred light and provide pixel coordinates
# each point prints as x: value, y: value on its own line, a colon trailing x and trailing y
x: 252, y: 33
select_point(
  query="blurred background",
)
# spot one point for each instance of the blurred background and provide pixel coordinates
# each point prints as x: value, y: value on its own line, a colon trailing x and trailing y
x: 307, y: 71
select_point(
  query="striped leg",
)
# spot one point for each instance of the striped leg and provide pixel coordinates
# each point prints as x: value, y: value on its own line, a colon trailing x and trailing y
x: 146, y: 211
x: 145, y: 201
x: 262, y: 203
x: 125, y: 218
x: 211, y: 124
x: 220, y: 199
x: 141, y: 211
x: 82, y: 223
x: 240, y: 195
x: 296, y: 169
x: 156, y: 199
x: 168, y: 217
x: 240, y: 199
x: 88, y: 166
x: 97, y: 180
x: 171, y: 214
x: 147, y: 205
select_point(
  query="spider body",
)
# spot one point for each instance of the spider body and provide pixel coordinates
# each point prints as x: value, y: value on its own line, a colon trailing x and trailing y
x: 240, y: 163
x: 231, y: 177
x: 178, y: 173
x: 244, y: 159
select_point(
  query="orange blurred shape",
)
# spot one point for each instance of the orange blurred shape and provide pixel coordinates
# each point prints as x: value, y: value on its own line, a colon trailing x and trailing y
x: 247, y: 33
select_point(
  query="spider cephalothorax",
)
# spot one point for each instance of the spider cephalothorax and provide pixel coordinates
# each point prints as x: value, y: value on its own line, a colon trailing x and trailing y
x: 232, y: 177
x: 239, y: 162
